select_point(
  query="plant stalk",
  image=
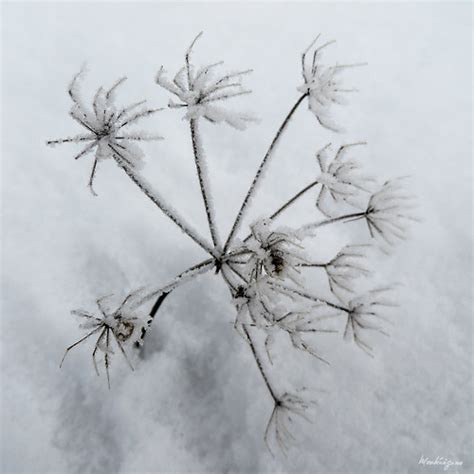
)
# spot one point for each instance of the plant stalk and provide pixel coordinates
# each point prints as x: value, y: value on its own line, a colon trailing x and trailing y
x: 203, y: 180
x: 263, y: 164
x: 161, y: 203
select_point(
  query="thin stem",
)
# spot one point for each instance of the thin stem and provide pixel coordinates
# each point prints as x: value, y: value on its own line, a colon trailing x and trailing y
x: 161, y: 203
x: 152, y: 315
x: 260, y: 365
x: 203, y: 181
x: 346, y: 217
x: 288, y: 203
x: 316, y: 299
x: 264, y: 162
x: 164, y: 291
x: 293, y: 199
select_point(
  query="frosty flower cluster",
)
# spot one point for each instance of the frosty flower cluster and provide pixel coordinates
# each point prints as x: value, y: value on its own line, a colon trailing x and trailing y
x: 270, y: 273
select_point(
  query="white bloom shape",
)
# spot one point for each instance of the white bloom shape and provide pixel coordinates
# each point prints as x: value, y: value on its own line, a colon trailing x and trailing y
x: 121, y: 325
x: 254, y: 304
x: 346, y: 268
x: 106, y: 126
x: 389, y: 212
x: 282, y: 418
x: 200, y: 90
x: 363, y: 314
x: 341, y: 180
x: 277, y: 253
x: 323, y: 85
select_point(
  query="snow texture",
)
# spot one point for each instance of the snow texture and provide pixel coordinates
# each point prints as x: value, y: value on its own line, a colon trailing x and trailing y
x: 196, y: 402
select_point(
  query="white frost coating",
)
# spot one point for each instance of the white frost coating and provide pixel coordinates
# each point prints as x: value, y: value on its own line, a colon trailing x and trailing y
x: 346, y: 268
x: 199, y: 89
x: 118, y: 328
x: 278, y: 253
x: 341, y: 180
x: 364, y: 312
x: 282, y: 419
x: 390, y: 211
x: 106, y: 123
x: 323, y: 85
x: 203, y: 177
x: 182, y: 278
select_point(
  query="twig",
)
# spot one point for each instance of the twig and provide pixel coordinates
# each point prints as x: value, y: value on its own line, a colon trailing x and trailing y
x: 203, y: 180
x: 347, y: 217
x: 264, y: 162
x: 288, y: 203
x: 260, y: 365
x: 161, y: 203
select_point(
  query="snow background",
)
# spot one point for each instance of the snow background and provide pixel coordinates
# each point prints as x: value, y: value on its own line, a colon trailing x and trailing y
x: 196, y: 402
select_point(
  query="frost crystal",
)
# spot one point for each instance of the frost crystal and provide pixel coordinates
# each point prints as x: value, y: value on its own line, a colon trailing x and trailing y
x: 201, y: 89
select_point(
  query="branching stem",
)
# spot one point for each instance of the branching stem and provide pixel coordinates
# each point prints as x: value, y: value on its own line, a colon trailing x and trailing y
x: 288, y: 203
x: 161, y: 203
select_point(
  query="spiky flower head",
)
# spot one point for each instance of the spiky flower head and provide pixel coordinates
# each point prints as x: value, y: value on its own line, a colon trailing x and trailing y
x: 280, y: 427
x: 365, y: 313
x: 277, y: 253
x: 322, y: 84
x: 346, y: 268
x: 342, y: 180
x: 389, y: 212
x: 201, y: 90
x: 106, y: 126
x: 120, y: 325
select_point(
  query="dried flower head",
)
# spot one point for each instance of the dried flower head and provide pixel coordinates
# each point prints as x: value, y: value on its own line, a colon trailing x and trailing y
x: 389, y: 212
x: 341, y: 180
x: 200, y: 89
x: 298, y: 324
x: 120, y: 324
x: 346, y: 268
x: 279, y: 427
x: 322, y: 84
x: 363, y: 313
x: 277, y: 253
x: 106, y: 126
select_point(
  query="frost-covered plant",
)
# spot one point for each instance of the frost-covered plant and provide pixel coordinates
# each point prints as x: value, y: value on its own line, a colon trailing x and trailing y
x: 266, y: 271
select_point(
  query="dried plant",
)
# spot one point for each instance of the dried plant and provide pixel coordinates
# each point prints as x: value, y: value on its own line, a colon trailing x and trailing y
x: 265, y: 272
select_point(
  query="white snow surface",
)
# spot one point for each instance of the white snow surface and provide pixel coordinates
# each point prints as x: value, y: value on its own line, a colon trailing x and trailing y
x: 196, y: 402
